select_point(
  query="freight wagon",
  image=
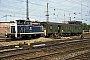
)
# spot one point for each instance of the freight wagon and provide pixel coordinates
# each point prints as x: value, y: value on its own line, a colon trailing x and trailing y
x: 57, y: 30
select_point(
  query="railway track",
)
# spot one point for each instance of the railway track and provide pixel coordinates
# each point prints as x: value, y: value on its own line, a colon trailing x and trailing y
x: 26, y: 44
x: 4, y: 39
x: 85, y: 56
x: 41, y: 51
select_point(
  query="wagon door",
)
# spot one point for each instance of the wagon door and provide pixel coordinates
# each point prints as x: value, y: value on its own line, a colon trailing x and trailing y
x: 59, y: 28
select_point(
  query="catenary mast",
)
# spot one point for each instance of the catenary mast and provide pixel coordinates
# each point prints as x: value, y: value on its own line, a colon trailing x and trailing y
x: 27, y: 11
x: 47, y: 15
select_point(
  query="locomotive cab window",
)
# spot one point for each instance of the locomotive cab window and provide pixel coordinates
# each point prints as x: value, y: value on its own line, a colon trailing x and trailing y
x: 20, y: 22
x: 28, y: 23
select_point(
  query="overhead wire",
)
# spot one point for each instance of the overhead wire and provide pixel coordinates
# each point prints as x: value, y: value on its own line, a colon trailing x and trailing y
x: 49, y: 6
x: 45, y: 6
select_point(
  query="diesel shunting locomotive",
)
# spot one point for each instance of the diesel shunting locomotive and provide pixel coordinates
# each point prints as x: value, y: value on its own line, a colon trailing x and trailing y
x: 24, y: 29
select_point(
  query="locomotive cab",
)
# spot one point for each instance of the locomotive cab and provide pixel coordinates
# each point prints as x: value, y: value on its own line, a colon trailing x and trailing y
x: 20, y: 22
x: 24, y: 29
x: 19, y: 27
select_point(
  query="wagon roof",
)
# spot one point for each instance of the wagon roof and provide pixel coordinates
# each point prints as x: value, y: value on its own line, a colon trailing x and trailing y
x: 52, y: 23
x: 59, y: 23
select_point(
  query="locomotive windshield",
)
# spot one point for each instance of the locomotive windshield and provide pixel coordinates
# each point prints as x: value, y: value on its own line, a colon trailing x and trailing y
x: 28, y: 23
x: 20, y: 22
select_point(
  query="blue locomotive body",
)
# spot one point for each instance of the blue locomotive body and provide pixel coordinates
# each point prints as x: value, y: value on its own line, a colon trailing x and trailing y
x: 36, y: 28
x: 24, y: 29
x: 29, y: 28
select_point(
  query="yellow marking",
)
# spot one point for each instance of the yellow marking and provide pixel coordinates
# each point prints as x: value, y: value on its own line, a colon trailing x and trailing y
x: 45, y: 32
x: 16, y: 46
x: 28, y: 44
x: 38, y: 41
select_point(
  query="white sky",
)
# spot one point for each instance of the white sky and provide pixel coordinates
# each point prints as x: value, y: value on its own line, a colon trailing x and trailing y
x: 16, y: 9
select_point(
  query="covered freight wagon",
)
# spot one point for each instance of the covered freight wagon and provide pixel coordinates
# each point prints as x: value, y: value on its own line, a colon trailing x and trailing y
x: 52, y: 29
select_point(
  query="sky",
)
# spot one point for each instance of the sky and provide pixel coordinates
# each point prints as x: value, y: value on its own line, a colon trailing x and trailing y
x: 60, y: 10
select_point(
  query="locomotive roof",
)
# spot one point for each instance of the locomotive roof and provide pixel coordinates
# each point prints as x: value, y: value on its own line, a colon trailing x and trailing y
x: 24, y: 20
x: 28, y: 20
x: 20, y: 20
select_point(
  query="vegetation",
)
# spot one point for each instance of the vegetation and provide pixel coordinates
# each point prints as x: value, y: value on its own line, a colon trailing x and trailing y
x: 85, y: 26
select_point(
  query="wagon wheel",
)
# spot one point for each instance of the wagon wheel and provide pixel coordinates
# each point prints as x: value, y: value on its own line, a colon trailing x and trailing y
x: 81, y: 36
x: 57, y: 37
x: 51, y: 36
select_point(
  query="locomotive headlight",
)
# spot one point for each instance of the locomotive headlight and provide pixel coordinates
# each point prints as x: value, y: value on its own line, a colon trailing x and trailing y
x: 6, y: 34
